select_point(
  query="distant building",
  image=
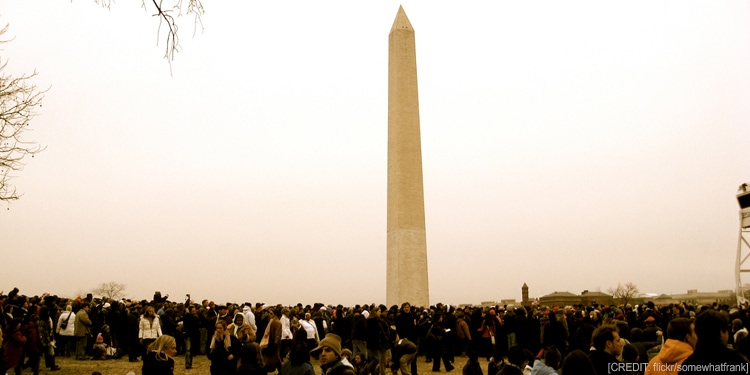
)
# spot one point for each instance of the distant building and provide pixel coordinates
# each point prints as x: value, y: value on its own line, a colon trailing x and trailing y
x: 525, y: 296
x: 507, y: 302
x: 560, y: 299
x: 694, y: 297
x: 587, y: 298
x: 503, y: 302
x: 590, y: 298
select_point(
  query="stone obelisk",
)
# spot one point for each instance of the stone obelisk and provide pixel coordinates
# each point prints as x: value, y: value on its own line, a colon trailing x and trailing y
x: 406, y: 275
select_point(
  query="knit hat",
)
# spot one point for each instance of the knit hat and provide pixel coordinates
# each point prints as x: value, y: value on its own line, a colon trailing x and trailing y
x: 332, y: 341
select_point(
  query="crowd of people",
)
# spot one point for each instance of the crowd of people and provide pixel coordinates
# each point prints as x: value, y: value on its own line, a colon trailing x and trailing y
x: 370, y: 339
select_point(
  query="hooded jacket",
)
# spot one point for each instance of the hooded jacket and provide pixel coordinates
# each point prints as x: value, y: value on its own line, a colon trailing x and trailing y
x: 249, y: 317
x: 233, y: 328
x: 671, y: 355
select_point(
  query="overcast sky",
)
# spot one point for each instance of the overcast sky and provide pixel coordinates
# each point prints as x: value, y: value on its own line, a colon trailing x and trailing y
x: 566, y: 145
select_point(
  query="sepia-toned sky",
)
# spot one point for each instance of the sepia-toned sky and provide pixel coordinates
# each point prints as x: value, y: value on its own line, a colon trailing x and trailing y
x: 566, y: 145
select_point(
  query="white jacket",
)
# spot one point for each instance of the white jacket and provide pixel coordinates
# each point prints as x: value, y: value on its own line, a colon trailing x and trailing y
x: 149, y: 330
x: 249, y: 317
x: 286, y: 328
x: 70, y: 329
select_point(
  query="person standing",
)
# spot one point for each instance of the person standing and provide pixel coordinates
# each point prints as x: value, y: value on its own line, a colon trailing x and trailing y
x: 270, y: 344
x: 210, y: 317
x: 359, y: 333
x: 149, y: 327
x: 132, y: 325
x: 286, y: 332
x: 311, y: 331
x: 463, y: 335
x: 489, y: 329
x: 47, y: 338
x: 66, y: 331
x: 223, y: 350
x: 247, y: 310
x: 439, y: 348
x: 406, y: 328
x: 82, y: 331
x: 33, y: 347
x: 191, y: 334
x: 13, y: 343
x: 377, y: 341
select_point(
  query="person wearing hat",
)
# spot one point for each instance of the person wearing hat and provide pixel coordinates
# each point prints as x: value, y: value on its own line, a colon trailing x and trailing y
x: 223, y: 314
x: 651, y: 331
x: 328, y: 353
x: 99, y: 350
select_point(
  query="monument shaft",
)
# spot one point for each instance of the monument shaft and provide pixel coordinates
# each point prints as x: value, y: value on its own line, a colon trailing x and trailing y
x: 406, y: 279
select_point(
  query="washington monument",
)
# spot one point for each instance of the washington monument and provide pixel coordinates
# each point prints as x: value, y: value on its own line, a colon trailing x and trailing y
x: 406, y: 275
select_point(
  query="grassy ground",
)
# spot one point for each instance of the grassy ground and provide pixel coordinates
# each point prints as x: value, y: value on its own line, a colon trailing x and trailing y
x: 200, y: 366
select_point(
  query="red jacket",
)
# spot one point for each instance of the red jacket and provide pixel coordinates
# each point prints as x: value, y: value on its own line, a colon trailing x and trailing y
x: 490, y: 330
x: 33, y: 344
x: 13, y: 348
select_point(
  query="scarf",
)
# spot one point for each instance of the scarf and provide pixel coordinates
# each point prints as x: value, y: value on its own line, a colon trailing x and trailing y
x: 227, y: 342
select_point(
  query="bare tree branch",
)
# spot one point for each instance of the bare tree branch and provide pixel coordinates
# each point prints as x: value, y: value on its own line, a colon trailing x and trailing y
x: 112, y: 290
x: 165, y: 15
x: 624, y: 293
x: 19, y: 99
